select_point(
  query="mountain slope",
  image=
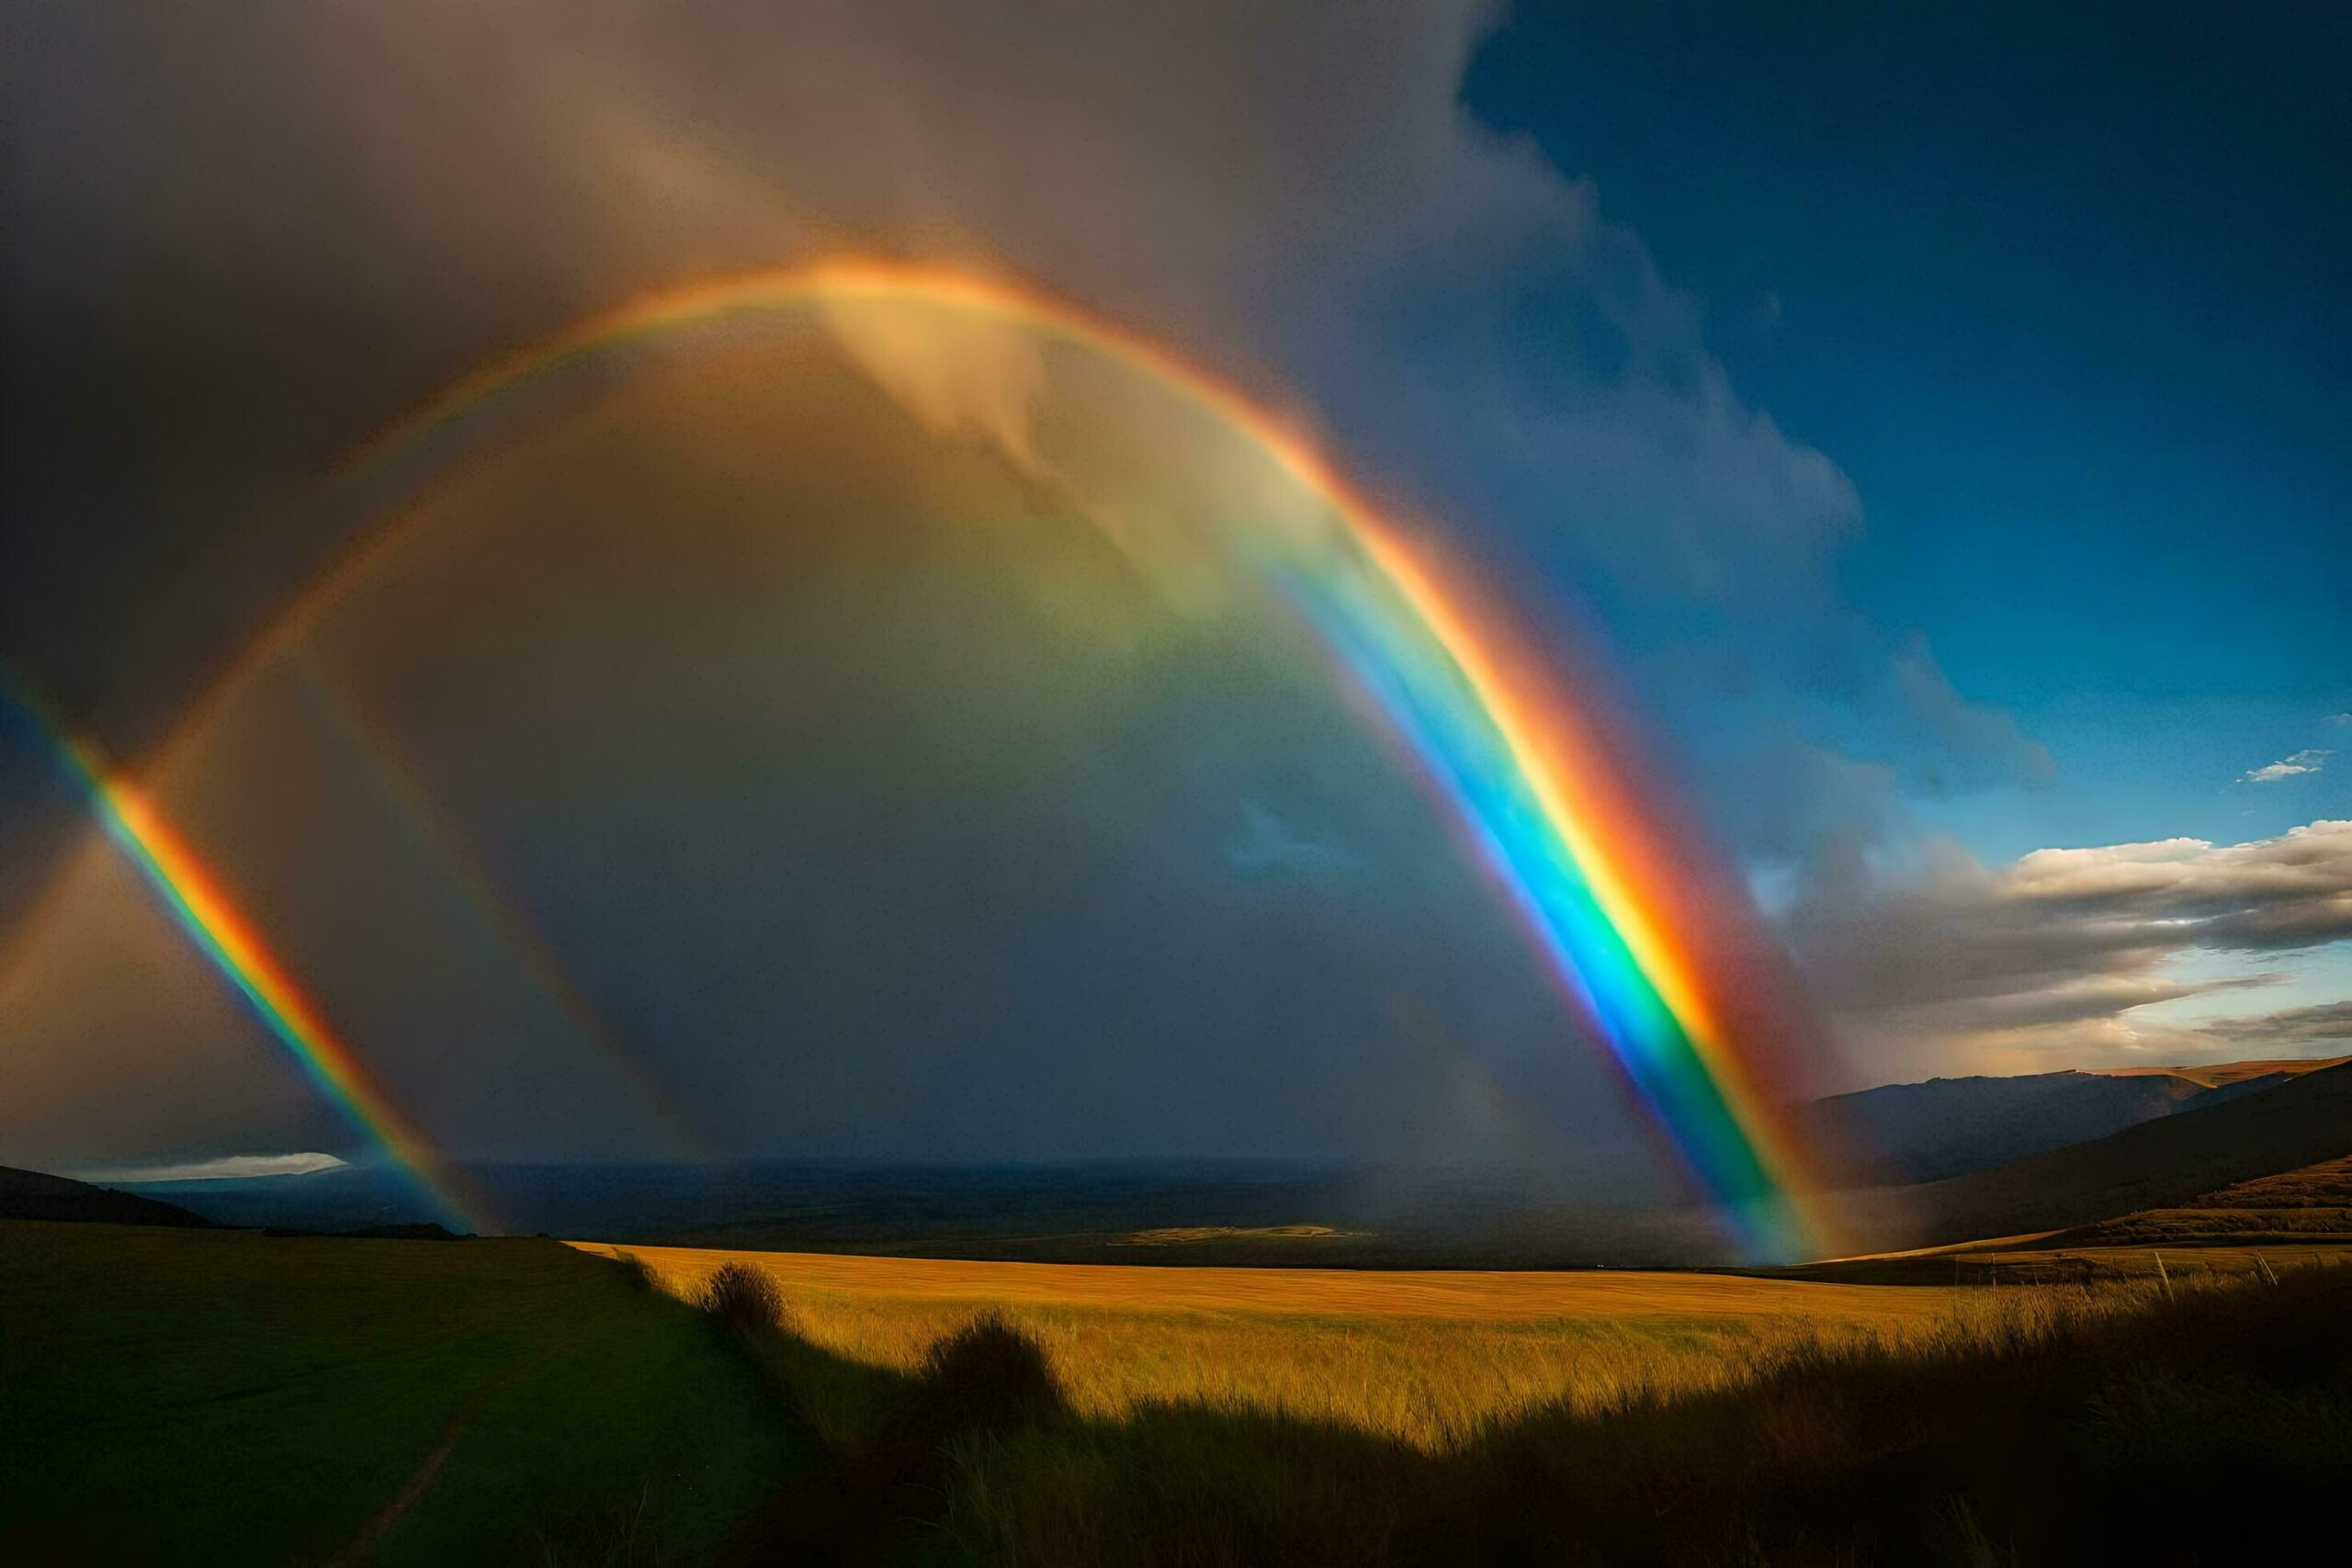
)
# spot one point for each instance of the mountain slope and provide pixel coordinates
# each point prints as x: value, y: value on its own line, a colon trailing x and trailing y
x: 36, y: 1195
x: 2159, y: 1163
x: 2310, y: 1205
x: 2325, y: 1185
x: 1947, y: 1127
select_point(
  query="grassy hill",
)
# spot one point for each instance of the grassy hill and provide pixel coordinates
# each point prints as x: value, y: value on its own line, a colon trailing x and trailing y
x: 2325, y: 1185
x: 2310, y: 1206
x: 213, y: 1396
x: 36, y: 1195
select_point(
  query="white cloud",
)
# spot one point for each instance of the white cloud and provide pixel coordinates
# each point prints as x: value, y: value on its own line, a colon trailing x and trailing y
x: 2041, y: 964
x: 2308, y: 761
x: 230, y: 1168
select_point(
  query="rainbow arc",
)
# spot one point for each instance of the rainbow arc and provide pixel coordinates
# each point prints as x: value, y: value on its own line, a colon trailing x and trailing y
x: 1650, y: 942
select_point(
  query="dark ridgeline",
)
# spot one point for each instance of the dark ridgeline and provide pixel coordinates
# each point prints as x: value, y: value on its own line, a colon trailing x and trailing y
x: 1947, y: 1127
x: 2158, y: 1164
x: 36, y: 1195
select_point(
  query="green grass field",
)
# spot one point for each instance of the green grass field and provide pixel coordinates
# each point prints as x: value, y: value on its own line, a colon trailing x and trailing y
x: 227, y: 1397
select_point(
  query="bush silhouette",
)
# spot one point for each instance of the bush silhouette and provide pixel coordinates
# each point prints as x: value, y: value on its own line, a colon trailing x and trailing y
x: 987, y: 1374
x: 744, y: 1298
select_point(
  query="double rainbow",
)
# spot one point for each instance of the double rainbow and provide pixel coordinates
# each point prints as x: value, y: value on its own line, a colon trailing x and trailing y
x: 1646, y: 936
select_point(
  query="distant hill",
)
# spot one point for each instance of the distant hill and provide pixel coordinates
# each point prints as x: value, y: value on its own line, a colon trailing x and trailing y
x: 2167, y: 1162
x: 36, y: 1195
x: 418, y: 1231
x: 1947, y: 1127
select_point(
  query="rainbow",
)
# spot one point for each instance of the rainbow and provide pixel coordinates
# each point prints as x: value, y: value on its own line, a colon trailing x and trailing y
x: 1644, y: 933
x: 229, y: 940
x: 1580, y: 858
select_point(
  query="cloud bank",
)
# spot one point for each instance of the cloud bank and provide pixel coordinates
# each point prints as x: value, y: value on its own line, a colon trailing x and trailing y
x: 2039, y: 965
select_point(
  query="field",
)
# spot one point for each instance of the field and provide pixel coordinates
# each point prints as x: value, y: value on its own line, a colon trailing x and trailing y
x: 1430, y: 1357
x: 219, y: 1396
x: 1056, y: 1416
x: 215, y: 1396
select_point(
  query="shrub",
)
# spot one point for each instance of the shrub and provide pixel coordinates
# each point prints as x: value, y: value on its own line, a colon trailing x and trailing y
x: 744, y: 1297
x: 987, y: 1374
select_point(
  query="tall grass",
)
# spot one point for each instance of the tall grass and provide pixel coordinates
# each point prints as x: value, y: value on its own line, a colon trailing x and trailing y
x: 742, y: 1297
x: 1432, y: 1382
x: 2033, y: 1425
x: 2040, y: 1426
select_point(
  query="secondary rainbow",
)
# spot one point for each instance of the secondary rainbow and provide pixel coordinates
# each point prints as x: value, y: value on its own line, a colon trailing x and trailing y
x: 1646, y: 936
x: 495, y: 916
x: 233, y: 946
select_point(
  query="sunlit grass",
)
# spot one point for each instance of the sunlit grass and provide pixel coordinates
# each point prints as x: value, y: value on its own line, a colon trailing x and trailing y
x: 1434, y: 1360
x: 1195, y: 1417
x: 1432, y: 1382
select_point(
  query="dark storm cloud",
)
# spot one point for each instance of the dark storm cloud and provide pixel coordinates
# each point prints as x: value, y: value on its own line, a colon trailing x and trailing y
x: 242, y: 235
x: 864, y: 826
x: 1811, y: 811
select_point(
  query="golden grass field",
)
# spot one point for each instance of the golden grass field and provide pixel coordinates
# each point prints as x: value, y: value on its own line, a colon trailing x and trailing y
x: 1207, y: 1416
x: 1431, y: 1357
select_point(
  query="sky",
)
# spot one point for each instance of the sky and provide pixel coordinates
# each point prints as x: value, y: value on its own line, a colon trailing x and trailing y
x: 2065, y: 301
x: 1934, y: 426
